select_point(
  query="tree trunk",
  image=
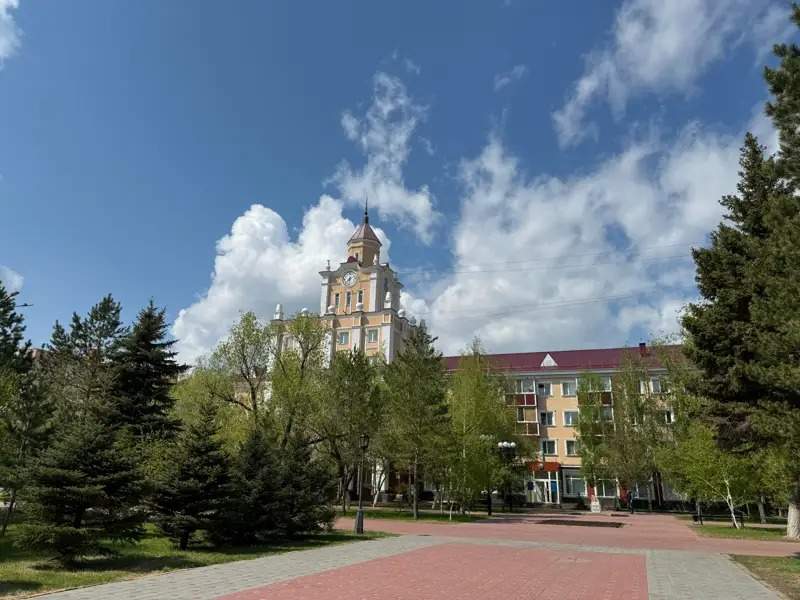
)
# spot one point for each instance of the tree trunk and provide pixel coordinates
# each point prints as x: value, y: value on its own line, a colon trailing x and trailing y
x: 488, y: 500
x: 793, y: 516
x: 9, y: 511
x: 378, y: 487
x: 762, y: 513
x: 184, y: 541
x: 731, y: 507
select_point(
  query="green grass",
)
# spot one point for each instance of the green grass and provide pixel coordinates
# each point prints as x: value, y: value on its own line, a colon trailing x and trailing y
x: 781, y: 572
x: 24, y: 572
x: 406, y: 515
x: 748, y: 533
x: 753, y: 519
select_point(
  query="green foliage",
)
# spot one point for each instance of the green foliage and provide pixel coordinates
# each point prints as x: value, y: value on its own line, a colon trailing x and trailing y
x: 14, y: 350
x: 594, y: 428
x: 275, y: 491
x: 146, y: 369
x: 190, y: 492
x: 479, y: 419
x: 349, y: 404
x: 81, y: 490
x: 416, y: 404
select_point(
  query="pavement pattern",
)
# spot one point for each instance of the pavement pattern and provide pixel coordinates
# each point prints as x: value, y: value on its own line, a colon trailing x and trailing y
x: 515, y: 558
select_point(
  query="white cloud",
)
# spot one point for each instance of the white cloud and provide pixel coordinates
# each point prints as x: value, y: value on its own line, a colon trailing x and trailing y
x: 662, y: 46
x: 9, y: 32
x: 545, y: 262
x: 259, y: 265
x: 384, y: 133
x: 506, y: 78
x: 10, y: 279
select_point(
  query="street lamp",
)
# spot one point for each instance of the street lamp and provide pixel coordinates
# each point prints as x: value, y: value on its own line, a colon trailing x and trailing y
x: 363, y: 443
x: 508, y: 450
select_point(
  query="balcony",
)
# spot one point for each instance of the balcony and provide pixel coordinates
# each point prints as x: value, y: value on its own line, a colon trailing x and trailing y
x: 527, y: 429
x: 521, y: 399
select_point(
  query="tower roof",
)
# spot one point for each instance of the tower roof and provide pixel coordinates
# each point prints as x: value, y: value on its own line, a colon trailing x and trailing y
x: 364, y: 231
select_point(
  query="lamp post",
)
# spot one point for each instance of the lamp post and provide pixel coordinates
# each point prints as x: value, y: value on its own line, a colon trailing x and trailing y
x: 363, y: 443
x: 508, y: 450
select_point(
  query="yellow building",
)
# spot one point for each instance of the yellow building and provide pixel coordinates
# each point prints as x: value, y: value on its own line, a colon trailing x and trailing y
x: 545, y: 401
x: 360, y: 300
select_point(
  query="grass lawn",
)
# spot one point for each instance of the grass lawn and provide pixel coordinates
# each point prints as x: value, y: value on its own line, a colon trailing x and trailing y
x: 24, y: 573
x: 406, y: 515
x: 748, y: 533
x: 781, y: 572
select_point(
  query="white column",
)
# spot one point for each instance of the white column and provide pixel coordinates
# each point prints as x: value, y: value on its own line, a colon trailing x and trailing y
x: 388, y: 341
x: 324, y: 301
x: 373, y: 293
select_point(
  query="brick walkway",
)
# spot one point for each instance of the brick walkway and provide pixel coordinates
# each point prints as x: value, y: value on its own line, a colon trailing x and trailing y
x: 510, y: 558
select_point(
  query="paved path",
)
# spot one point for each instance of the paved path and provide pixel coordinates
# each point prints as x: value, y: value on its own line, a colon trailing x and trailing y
x: 509, y: 558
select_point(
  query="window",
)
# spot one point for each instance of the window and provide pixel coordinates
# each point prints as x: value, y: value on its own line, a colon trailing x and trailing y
x: 336, y: 302
x: 572, y: 447
x: 348, y: 297
x: 543, y: 390
x: 547, y: 417
x: 571, y: 418
x: 605, y: 383
x: 526, y: 414
x: 667, y: 416
x: 574, y: 484
x: 643, y: 389
x: 607, y: 413
x: 360, y: 297
x: 568, y: 388
x: 605, y: 488
x: 548, y: 447
x: 343, y: 338
x: 524, y: 386
x: 372, y: 336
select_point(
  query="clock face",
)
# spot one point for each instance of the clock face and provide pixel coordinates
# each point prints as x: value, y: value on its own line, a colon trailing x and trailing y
x: 350, y: 278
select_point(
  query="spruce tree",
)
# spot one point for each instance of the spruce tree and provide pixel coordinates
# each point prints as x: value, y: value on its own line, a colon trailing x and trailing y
x: 146, y: 369
x: 253, y: 512
x: 190, y: 493
x: 416, y: 406
x: 309, y: 488
x: 81, y: 493
x: 14, y: 350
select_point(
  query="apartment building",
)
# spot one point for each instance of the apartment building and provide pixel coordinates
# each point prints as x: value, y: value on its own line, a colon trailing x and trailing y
x: 544, y: 397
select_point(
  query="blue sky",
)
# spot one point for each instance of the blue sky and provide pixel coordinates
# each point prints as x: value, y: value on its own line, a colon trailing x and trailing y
x: 539, y: 172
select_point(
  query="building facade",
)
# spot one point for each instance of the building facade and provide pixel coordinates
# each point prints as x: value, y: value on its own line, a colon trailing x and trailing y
x: 544, y: 397
x: 360, y: 300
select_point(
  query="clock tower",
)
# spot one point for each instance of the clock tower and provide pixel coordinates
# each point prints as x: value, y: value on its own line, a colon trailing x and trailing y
x: 360, y: 299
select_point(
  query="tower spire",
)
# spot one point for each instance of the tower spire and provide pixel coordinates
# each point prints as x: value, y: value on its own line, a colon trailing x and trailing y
x: 366, y: 209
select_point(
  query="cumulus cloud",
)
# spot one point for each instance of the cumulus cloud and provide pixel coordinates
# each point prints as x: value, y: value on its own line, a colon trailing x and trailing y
x: 9, y: 32
x: 384, y: 134
x: 506, y: 78
x: 547, y: 262
x: 659, y: 46
x: 10, y: 279
x: 258, y: 265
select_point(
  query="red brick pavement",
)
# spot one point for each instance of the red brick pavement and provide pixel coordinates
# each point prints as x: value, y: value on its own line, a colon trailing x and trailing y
x: 470, y: 572
x: 645, y: 531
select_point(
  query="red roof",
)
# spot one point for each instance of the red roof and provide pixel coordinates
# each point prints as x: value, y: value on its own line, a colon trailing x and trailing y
x: 566, y: 360
x: 364, y: 232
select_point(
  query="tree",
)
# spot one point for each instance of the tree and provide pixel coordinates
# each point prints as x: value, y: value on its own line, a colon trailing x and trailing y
x: 25, y: 426
x: 15, y: 355
x: 743, y: 337
x: 79, y: 364
x: 479, y: 419
x: 348, y: 406
x: 697, y: 466
x: 82, y: 491
x: 239, y: 368
x: 595, y: 424
x: 190, y: 493
x: 416, y: 404
x: 145, y: 372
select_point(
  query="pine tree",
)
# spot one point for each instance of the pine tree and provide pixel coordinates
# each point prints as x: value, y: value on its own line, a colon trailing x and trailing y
x: 146, y: 369
x: 308, y: 488
x: 190, y: 493
x: 14, y: 350
x: 253, y: 512
x: 416, y: 406
x: 82, y: 491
